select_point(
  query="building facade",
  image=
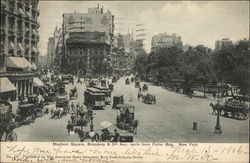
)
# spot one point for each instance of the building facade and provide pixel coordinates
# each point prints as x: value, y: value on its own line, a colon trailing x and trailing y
x: 87, y: 54
x: 18, y: 52
x: 87, y: 41
x: 220, y: 44
x: 50, y: 52
x: 165, y: 40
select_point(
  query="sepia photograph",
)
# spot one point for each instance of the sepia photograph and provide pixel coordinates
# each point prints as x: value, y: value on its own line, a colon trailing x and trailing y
x: 124, y: 71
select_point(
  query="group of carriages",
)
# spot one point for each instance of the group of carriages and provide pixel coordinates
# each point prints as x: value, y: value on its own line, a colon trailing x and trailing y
x: 233, y: 108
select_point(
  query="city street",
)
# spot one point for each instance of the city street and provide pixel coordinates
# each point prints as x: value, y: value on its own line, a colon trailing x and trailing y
x: 169, y: 120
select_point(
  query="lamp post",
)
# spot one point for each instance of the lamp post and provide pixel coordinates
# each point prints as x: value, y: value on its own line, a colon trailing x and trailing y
x: 218, y: 127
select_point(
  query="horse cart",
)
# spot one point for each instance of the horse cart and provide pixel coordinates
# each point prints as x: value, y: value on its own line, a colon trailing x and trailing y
x: 145, y: 87
x: 26, y: 114
x: 149, y: 99
x: 233, y: 108
x: 127, y: 81
x: 125, y: 119
x: 62, y: 107
x: 6, y: 124
x: 118, y: 99
x: 73, y: 94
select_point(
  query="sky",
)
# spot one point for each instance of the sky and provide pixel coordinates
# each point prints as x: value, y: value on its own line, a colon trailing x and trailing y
x: 197, y: 22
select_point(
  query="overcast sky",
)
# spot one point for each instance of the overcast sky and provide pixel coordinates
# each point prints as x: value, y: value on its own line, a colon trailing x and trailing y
x: 196, y: 22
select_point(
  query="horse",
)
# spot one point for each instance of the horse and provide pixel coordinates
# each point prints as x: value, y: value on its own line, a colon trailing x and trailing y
x: 85, y: 135
x: 216, y: 108
x: 135, y: 124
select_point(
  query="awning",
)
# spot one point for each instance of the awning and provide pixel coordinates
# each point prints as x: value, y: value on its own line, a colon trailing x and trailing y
x: 20, y: 11
x: 12, y: 46
x: 20, y: 46
x: 17, y: 62
x: 34, y: 49
x: 28, y: 14
x: 6, y: 85
x: 37, y: 82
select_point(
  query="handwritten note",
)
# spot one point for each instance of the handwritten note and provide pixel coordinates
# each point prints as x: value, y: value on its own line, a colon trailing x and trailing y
x: 126, y: 152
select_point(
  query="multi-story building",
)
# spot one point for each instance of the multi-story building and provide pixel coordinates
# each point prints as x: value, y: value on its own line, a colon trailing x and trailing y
x: 18, y: 52
x: 220, y: 44
x: 42, y: 61
x: 165, y: 40
x: 87, y: 41
x: 50, y: 51
x: 123, y: 53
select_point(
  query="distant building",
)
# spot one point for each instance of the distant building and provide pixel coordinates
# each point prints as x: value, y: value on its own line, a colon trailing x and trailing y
x: 164, y: 40
x: 220, y: 44
x: 42, y: 61
x: 187, y: 47
x: 87, y: 41
x: 95, y: 20
x: 50, y: 52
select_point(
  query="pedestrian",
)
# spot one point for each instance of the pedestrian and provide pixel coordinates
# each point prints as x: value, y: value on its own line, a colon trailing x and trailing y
x: 214, y: 94
x: 69, y: 126
x: 140, y: 89
x: 72, y: 119
x: 139, y: 96
x: 116, y: 136
x: 72, y: 106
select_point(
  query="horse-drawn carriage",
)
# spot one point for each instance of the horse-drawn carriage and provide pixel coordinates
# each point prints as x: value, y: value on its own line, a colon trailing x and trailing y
x: 127, y: 81
x: 26, y: 114
x: 73, y: 94
x: 145, y: 87
x: 118, y: 99
x: 149, y: 99
x: 233, y: 108
x: 62, y: 106
x: 125, y: 119
x: 6, y: 124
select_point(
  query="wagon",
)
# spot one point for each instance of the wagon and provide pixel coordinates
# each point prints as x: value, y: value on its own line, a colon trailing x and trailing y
x: 26, y: 114
x: 232, y: 108
x: 125, y: 119
x: 118, y: 99
x: 149, y: 99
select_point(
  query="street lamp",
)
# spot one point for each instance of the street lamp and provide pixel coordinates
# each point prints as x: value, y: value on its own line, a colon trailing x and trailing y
x: 218, y: 127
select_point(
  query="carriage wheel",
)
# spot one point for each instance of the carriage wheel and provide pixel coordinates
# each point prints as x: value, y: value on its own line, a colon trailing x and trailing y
x: 11, y: 137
